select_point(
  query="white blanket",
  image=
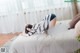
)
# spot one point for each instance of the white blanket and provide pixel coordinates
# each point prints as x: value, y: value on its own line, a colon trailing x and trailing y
x: 59, y: 40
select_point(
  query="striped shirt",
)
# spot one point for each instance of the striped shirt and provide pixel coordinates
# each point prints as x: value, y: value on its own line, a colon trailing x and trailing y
x: 42, y: 26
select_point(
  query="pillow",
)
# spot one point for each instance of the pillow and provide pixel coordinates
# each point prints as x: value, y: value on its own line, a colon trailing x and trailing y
x: 74, y: 21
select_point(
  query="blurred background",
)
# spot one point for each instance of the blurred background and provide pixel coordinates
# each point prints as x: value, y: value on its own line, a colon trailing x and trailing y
x: 14, y: 14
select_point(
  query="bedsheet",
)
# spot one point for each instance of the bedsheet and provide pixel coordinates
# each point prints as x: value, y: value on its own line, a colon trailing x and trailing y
x: 58, y: 40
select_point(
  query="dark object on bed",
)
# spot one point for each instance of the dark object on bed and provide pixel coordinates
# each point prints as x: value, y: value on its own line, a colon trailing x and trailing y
x: 27, y: 26
x: 52, y: 16
x: 74, y: 21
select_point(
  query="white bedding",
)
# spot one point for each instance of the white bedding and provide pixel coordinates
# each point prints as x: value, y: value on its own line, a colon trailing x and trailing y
x: 59, y: 40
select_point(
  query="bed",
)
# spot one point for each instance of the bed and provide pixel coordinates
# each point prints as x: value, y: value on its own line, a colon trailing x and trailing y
x: 58, y: 40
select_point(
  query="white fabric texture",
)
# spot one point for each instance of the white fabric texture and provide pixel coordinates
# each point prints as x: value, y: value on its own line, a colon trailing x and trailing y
x: 59, y: 40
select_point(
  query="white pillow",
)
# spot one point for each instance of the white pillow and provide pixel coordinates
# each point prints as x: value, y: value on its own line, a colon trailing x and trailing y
x: 77, y: 28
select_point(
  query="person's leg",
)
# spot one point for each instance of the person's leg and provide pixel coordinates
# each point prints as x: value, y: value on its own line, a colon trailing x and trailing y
x: 74, y: 20
x: 52, y: 23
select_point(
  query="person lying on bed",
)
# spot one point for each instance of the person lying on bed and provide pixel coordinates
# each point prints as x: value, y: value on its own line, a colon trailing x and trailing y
x: 42, y: 26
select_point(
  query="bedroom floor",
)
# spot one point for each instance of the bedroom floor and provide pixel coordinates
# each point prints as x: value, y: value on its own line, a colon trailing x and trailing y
x: 5, y: 37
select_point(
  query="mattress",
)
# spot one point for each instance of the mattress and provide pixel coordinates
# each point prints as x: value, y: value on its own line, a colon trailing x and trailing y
x: 58, y: 40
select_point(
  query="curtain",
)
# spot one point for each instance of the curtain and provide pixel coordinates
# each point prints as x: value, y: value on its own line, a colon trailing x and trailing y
x: 42, y: 4
x: 11, y: 16
x: 14, y: 14
x: 58, y: 7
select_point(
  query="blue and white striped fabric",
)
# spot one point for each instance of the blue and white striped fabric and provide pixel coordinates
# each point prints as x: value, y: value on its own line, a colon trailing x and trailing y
x: 41, y: 26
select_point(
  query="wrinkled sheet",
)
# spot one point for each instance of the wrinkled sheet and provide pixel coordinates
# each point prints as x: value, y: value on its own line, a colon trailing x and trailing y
x: 58, y: 40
